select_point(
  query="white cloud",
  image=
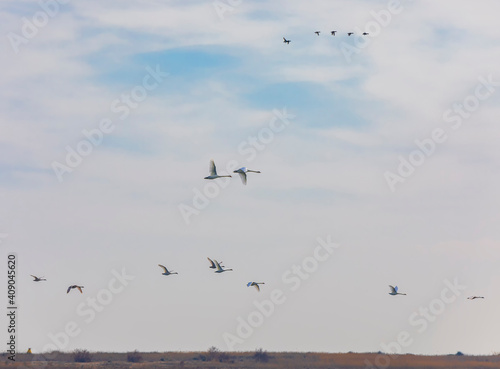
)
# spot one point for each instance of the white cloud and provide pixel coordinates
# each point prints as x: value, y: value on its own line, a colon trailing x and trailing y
x: 120, y: 207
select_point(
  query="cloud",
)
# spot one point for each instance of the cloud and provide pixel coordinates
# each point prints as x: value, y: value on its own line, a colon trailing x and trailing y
x: 323, y: 174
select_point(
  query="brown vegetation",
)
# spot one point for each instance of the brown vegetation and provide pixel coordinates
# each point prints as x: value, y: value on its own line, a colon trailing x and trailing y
x: 249, y: 360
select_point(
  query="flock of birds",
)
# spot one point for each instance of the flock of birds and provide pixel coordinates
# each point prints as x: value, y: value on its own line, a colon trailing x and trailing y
x: 333, y: 33
x: 242, y: 172
x: 214, y: 264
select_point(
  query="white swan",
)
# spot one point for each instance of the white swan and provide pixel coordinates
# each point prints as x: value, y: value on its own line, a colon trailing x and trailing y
x: 219, y: 268
x: 213, y: 171
x: 165, y: 270
x: 394, y: 291
x: 243, y: 173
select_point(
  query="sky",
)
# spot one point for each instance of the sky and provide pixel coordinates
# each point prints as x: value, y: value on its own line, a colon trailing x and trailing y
x: 377, y: 156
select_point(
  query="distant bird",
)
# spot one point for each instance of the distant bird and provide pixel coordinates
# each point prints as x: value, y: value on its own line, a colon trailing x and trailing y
x: 333, y: 33
x: 243, y: 173
x: 165, y: 270
x: 212, y: 264
x: 219, y: 268
x: 394, y: 291
x: 285, y: 41
x: 79, y: 288
x: 350, y: 33
x: 37, y: 279
x: 365, y: 33
x: 213, y: 171
x: 317, y: 32
x: 255, y: 284
x: 474, y: 297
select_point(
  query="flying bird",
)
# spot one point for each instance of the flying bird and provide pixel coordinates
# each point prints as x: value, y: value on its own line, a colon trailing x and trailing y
x: 474, y: 297
x: 212, y: 264
x: 317, y: 32
x: 333, y: 33
x: 394, y: 291
x: 350, y: 33
x: 79, y: 288
x: 255, y: 284
x: 365, y: 33
x: 37, y: 279
x: 213, y: 171
x: 243, y: 173
x: 219, y: 268
x: 165, y: 270
x: 285, y: 41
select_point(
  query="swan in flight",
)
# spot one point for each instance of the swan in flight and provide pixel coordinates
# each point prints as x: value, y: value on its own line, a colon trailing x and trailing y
x: 213, y: 171
x: 243, y: 173
x: 474, y: 297
x: 394, y: 291
x: 212, y: 264
x: 219, y: 268
x: 255, y: 284
x: 165, y: 270
x: 79, y: 288
x: 37, y: 279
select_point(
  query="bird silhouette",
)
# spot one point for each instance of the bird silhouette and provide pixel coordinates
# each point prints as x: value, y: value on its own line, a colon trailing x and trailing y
x: 243, y: 173
x: 474, y: 297
x: 394, y: 291
x: 219, y: 268
x: 350, y: 33
x: 365, y: 33
x: 37, y: 279
x: 317, y: 32
x: 213, y: 171
x: 166, y: 271
x: 255, y: 284
x: 333, y: 33
x: 285, y: 41
x: 79, y: 288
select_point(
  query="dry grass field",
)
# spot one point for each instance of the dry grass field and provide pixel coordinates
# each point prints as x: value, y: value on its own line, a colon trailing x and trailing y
x: 249, y: 360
